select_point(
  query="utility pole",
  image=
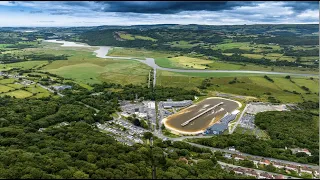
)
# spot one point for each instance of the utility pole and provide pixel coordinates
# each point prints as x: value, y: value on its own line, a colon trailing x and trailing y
x: 152, y: 160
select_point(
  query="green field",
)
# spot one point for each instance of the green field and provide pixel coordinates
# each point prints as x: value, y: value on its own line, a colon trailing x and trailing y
x: 313, y: 85
x: 133, y: 37
x: 247, y: 85
x: 240, y: 45
x: 40, y: 92
x: 182, y: 44
x: 18, y: 94
x: 22, y: 65
x: 4, y: 88
x: 132, y: 52
x: 97, y: 71
x: 184, y: 62
x: 15, y: 85
x: 253, y: 56
x: 288, y: 58
x: 7, y: 81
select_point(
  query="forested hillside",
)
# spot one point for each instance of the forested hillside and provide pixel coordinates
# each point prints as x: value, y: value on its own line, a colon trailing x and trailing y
x: 80, y: 151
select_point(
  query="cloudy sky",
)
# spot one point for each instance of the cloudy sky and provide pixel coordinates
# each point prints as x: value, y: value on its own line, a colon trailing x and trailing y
x: 91, y: 13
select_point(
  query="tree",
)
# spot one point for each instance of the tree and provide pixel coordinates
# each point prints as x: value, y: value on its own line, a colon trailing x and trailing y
x: 80, y: 175
x: 147, y: 135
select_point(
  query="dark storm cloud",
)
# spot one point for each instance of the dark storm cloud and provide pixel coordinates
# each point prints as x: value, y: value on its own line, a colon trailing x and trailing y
x: 168, y: 7
x: 176, y: 7
x: 302, y: 5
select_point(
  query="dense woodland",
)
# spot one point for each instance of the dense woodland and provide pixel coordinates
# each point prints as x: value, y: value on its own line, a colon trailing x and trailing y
x: 11, y: 58
x: 204, y: 39
x: 79, y: 150
x: 286, y: 129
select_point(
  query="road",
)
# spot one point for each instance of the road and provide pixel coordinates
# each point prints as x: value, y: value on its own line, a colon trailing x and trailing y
x: 237, y: 123
x: 103, y: 51
x: 47, y: 88
x: 249, y: 155
x: 151, y: 62
x: 257, y: 170
x: 160, y: 135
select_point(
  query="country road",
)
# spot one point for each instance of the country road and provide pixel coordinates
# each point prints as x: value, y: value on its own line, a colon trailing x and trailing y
x: 259, y: 157
x: 238, y: 121
x: 257, y: 170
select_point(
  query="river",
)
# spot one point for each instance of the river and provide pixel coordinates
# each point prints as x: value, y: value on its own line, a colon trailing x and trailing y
x: 102, y: 52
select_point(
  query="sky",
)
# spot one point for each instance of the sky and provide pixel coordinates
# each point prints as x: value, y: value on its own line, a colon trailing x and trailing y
x: 97, y: 13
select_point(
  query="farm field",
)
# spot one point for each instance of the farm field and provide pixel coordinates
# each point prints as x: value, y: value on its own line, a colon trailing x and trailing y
x: 6, y: 81
x: 253, y: 56
x: 15, y: 85
x: 254, y: 85
x: 287, y: 58
x: 22, y: 65
x: 18, y: 94
x: 116, y: 71
x: 84, y: 67
x: 240, y: 45
x: 133, y: 37
x: 4, y: 88
x: 182, y: 44
x: 32, y: 91
x: 185, y: 62
x: 133, y: 52
x: 313, y: 85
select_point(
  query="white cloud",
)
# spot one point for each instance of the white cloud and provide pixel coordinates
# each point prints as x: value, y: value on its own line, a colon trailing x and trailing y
x: 309, y: 14
x: 6, y: 3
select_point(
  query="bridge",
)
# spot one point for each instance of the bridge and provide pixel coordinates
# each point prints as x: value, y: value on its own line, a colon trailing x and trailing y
x: 195, y: 117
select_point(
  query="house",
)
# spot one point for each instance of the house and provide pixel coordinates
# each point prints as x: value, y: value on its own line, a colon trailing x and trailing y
x: 251, y: 172
x: 265, y: 162
x: 305, y: 169
x: 232, y: 148
x: 278, y: 165
x: 305, y: 151
x: 279, y: 176
x: 185, y: 160
x: 265, y: 175
x: 239, y: 170
x: 238, y: 157
x: 228, y: 156
x: 292, y: 167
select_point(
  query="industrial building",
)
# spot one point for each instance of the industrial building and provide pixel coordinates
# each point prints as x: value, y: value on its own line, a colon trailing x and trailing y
x: 60, y: 88
x: 169, y: 103
x: 217, y: 128
x: 220, y: 127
